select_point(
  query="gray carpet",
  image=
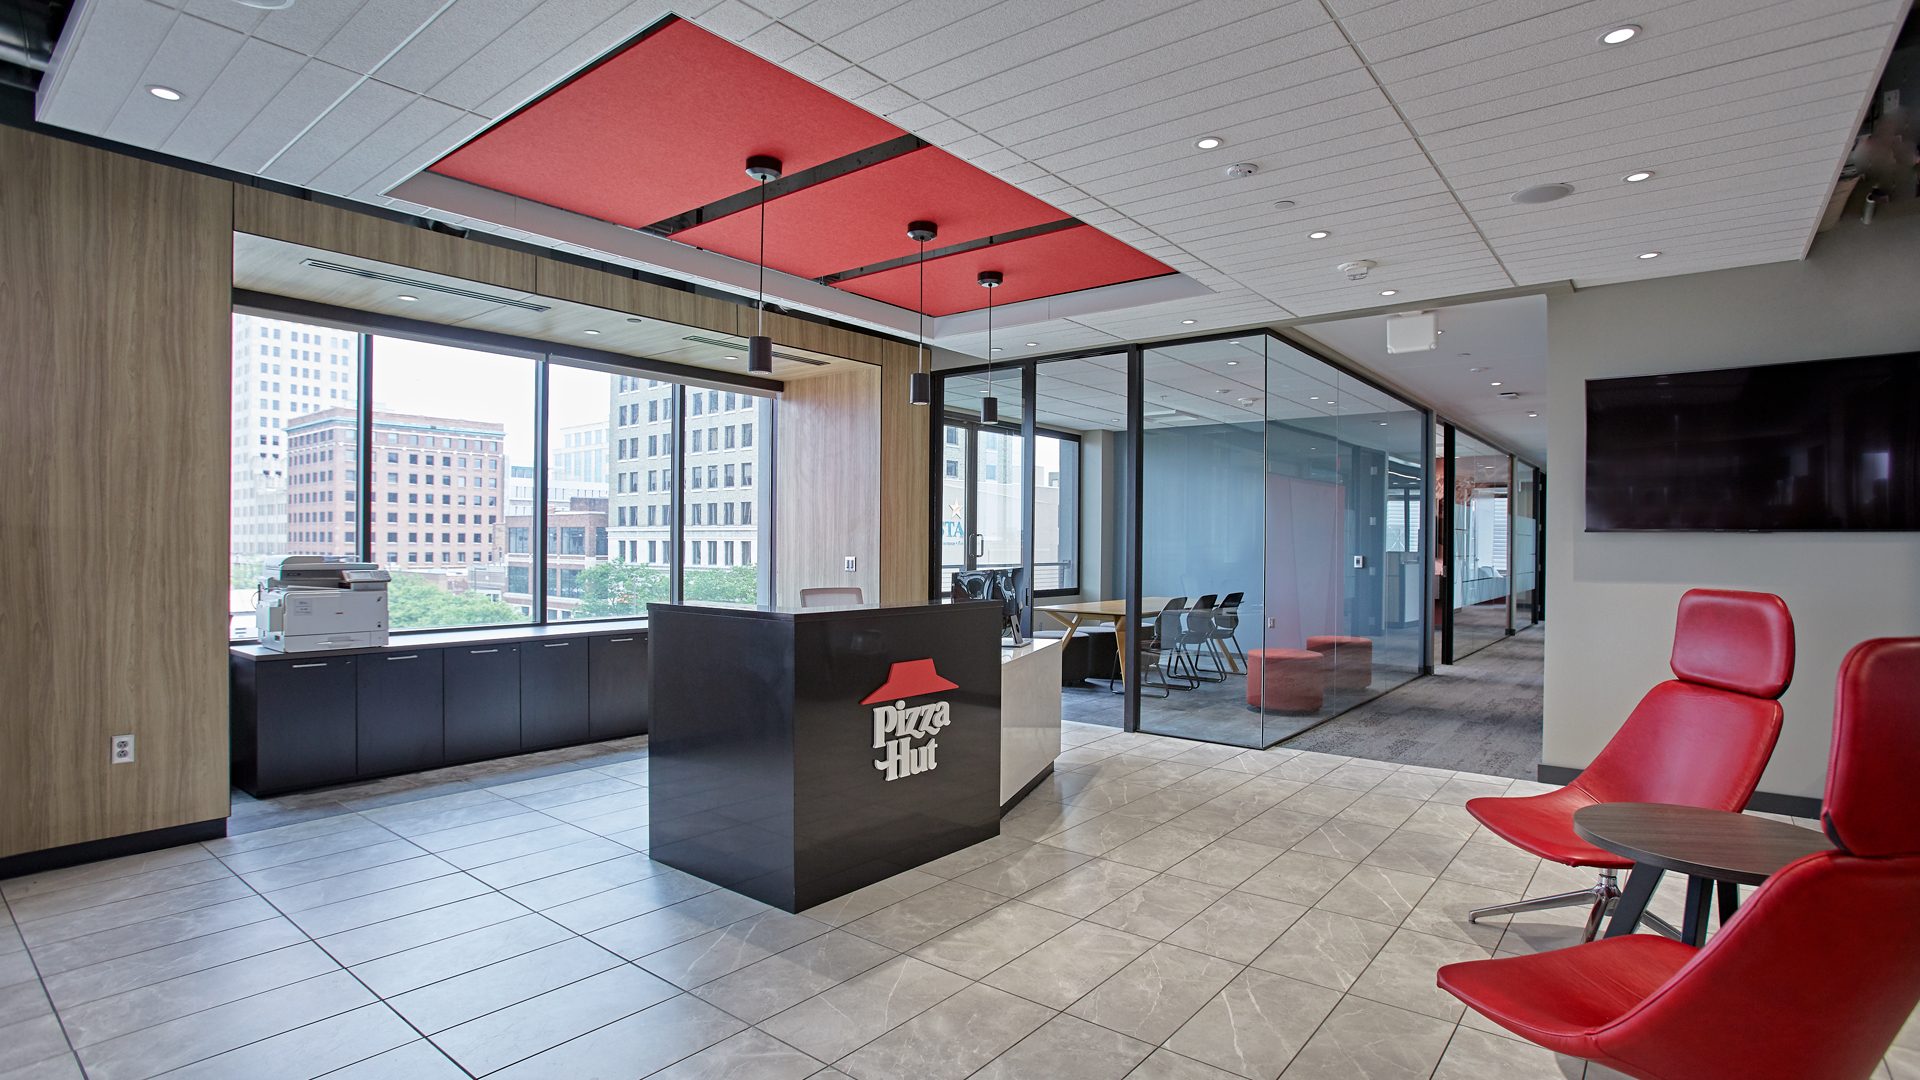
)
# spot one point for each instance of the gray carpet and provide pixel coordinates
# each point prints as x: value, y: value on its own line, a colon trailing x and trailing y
x: 1480, y: 715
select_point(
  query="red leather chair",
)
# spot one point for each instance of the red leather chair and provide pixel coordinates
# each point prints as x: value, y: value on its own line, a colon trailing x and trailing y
x: 1700, y: 739
x: 1810, y: 980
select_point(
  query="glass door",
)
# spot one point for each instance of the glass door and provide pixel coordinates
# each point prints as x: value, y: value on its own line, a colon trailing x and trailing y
x: 983, y: 478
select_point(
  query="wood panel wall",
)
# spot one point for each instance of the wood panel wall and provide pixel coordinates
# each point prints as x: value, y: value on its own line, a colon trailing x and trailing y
x: 114, y: 295
x: 902, y: 445
x: 828, y: 459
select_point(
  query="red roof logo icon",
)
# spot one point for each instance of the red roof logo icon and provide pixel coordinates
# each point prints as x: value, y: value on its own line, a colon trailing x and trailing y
x: 908, y: 679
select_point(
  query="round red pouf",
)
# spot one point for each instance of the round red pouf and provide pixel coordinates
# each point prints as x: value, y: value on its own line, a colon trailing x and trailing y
x: 1349, y: 660
x: 1285, y: 680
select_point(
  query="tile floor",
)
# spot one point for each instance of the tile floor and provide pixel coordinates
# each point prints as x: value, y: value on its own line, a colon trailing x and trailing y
x: 1159, y: 909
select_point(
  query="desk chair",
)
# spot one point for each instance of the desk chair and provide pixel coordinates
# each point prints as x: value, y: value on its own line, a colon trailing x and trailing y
x: 1226, y: 626
x: 1196, y: 634
x: 1815, y: 974
x: 1701, y: 738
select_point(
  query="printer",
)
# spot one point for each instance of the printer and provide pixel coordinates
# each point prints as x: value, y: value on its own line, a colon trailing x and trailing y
x: 309, y: 603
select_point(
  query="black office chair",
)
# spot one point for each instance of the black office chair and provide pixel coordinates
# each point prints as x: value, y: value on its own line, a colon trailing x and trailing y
x: 1226, y: 625
x: 1155, y: 653
x: 972, y: 584
x: 1196, y: 634
x: 1010, y: 585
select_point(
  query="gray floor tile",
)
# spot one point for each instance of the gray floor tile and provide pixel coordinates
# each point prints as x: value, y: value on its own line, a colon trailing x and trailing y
x: 95, y: 948
x: 602, y: 909
x: 444, y: 812
x: 1166, y: 1065
x: 593, y: 787
x: 287, y: 874
x: 359, y: 883
x: 311, y: 1051
x: 1023, y: 870
x: 72, y: 877
x: 111, y: 1017
x: 750, y: 1055
x: 61, y: 1066
x: 1063, y: 969
x: 362, y: 835
x: 1416, y: 853
x: 637, y: 1045
x: 1152, y: 996
x: 923, y: 916
x: 417, y: 1060
x: 71, y: 988
x: 631, y: 802
x: 1298, y: 878
x: 541, y: 864
x: 1442, y: 912
x: 972, y: 858
x: 724, y: 951
x: 1238, y: 927
x: 1068, y: 1048
x: 688, y: 919
x: 1325, y: 948
x: 1161, y: 847
x: 1279, y: 828
x: 1402, y: 974
x: 977, y: 947
x: 1089, y: 887
x: 82, y: 922
x: 481, y: 832
x: 45, y: 904
x: 866, y: 901
x: 1495, y: 866
x: 520, y: 1031
x: 1037, y: 818
x: 458, y: 954
x: 1159, y: 907
x: 1474, y: 1055
x: 27, y: 1042
x: 1100, y: 835
x: 950, y: 1040
x: 1255, y: 1025
x: 26, y: 1000
x: 455, y: 1000
x: 1350, y: 841
x: 1362, y: 1040
x: 859, y: 1010
x: 1225, y: 862
x: 571, y: 885
x: 1440, y: 819
x: 183, y: 1041
x: 343, y: 915
x: 549, y: 837
x: 1376, y: 893
x: 787, y: 978
x: 380, y: 939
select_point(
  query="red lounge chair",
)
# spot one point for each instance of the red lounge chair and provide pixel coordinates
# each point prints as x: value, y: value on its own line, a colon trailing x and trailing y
x: 1812, y: 977
x: 1701, y: 738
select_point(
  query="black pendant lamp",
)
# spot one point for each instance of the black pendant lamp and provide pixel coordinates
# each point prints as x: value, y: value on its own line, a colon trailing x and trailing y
x: 920, y: 383
x: 990, y: 405
x: 764, y: 170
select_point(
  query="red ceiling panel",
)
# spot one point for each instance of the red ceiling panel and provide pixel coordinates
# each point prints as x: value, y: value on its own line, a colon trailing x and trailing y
x: 663, y: 127
x: 1067, y: 261
x: 861, y: 218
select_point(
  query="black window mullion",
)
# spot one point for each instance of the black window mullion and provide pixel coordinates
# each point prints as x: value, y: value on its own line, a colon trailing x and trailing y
x: 676, y: 495
x: 537, y: 542
x: 363, y: 411
x: 1029, y: 443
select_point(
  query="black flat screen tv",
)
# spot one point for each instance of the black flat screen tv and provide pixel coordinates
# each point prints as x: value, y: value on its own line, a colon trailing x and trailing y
x: 1824, y: 445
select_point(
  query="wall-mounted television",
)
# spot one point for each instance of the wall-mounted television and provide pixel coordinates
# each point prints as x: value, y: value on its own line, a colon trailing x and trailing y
x: 1823, y: 445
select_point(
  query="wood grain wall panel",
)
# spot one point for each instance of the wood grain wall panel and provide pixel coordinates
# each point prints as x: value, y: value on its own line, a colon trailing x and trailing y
x: 828, y: 484
x: 302, y: 221
x: 904, y: 476
x: 114, y: 294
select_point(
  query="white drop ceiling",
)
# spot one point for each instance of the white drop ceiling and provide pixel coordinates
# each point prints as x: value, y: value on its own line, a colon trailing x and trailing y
x: 1502, y: 341
x: 1401, y: 126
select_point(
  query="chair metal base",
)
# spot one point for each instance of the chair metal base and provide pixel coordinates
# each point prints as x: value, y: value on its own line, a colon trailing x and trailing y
x: 1601, y: 896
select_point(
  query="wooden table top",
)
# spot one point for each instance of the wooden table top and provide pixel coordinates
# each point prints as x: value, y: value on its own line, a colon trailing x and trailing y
x: 1691, y: 840
x: 1111, y: 609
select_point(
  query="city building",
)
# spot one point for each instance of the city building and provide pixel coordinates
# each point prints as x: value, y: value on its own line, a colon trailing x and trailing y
x: 280, y: 375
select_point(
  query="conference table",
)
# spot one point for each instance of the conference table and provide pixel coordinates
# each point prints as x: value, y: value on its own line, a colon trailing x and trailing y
x: 1072, y: 616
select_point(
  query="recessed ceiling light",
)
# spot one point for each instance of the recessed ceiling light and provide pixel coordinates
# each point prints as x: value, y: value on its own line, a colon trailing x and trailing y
x: 1439, y: 331
x: 1383, y: 423
x: 1486, y: 466
x: 1033, y: 344
x: 1233, y: 363
x: 1649, y: 254
x: 408, y: 297
x: 1533, y: 414
x: 1619, y: 35
x: 1389, y: 292
x: 996, y: 350
x: 1474, y: 368
x: 1318, y: 234
x: 1315, y: 398
x: 733, y: 358
x: 1542, y: 193
x: 1186, y: 322
x: 1285, y: 204
x: 594, y: 333
x: 1636, y: 177
x: 1209, y: 142
x: 1223, y: 391
x: 1493, y: 384
x: 164, y: 93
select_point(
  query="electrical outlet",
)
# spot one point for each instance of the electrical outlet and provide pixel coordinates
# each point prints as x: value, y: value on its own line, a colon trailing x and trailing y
x: 122, y: 750
x: 1271, y: 623
x: 852, y: 564
x: 1889, y: 101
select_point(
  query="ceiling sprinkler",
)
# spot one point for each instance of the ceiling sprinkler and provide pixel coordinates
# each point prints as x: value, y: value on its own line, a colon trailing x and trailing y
x: 1357, y: 270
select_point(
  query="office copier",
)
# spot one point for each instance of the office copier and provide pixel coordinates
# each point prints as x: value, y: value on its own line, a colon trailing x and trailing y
x: 308, y: 603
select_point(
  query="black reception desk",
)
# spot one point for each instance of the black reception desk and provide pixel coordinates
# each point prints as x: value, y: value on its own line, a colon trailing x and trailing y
x: 800, y: 754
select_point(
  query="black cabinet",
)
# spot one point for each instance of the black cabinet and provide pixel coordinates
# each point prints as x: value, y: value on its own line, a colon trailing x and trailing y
x: 301, y: 724
x: 553, y: 693
x: 400, y: 713
x: 482, y: 702
x: 618, y: 693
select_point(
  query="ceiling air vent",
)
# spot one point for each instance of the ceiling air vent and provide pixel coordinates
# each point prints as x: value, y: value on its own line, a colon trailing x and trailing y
x: 416, y: 283
x: 740, y: 347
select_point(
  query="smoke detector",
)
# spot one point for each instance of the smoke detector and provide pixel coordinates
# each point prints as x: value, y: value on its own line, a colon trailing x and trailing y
x: 1241, y: 168
x: 1357, y: 269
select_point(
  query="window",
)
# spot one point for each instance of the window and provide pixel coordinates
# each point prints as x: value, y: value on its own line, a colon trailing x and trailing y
x: 1056, y: 511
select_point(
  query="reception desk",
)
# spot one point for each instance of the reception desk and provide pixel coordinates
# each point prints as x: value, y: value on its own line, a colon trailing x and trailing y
x: 800, y: 754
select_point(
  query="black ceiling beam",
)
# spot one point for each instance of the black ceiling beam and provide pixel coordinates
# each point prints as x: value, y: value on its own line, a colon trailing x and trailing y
x: 953, y: 249
x: 787, y: 185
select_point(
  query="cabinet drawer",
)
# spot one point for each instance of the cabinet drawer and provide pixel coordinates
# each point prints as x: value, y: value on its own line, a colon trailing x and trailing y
x: 400, y: 713
x: 553, y: 693
x: 304, y: 733
x: 619, y: 691
x: 482, y: 702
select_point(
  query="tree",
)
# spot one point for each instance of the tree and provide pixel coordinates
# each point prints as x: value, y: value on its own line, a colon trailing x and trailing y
x: 416, y: 602
x: 619, y: 588
x: 731, y: 585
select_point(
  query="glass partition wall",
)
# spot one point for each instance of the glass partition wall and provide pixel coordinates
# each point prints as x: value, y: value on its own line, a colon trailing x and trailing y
x: 1526, y: 545
x: 1481, y: 552
x: 1281, y: 508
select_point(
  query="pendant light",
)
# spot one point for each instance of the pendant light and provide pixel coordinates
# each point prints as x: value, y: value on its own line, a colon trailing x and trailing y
x: 920, y: 383
x: 990, y: 405
x: 764, y: 170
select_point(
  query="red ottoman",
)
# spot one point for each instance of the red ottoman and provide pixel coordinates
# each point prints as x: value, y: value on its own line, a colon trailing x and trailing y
x: 1349, y: 660
x: 1285, y: 680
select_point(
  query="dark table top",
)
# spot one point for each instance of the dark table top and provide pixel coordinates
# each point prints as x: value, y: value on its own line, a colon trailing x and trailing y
x: 1715, y: 844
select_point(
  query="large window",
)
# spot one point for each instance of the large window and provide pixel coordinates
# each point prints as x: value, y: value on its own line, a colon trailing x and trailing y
x: 455, y: 498
x: 295, y: 444
x: 984, y: 515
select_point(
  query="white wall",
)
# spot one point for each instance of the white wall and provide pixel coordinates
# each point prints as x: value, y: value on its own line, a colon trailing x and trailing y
x: 1612, y: 595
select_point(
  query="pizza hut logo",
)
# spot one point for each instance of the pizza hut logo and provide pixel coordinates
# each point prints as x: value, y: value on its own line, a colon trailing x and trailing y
x: 897, y: 726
